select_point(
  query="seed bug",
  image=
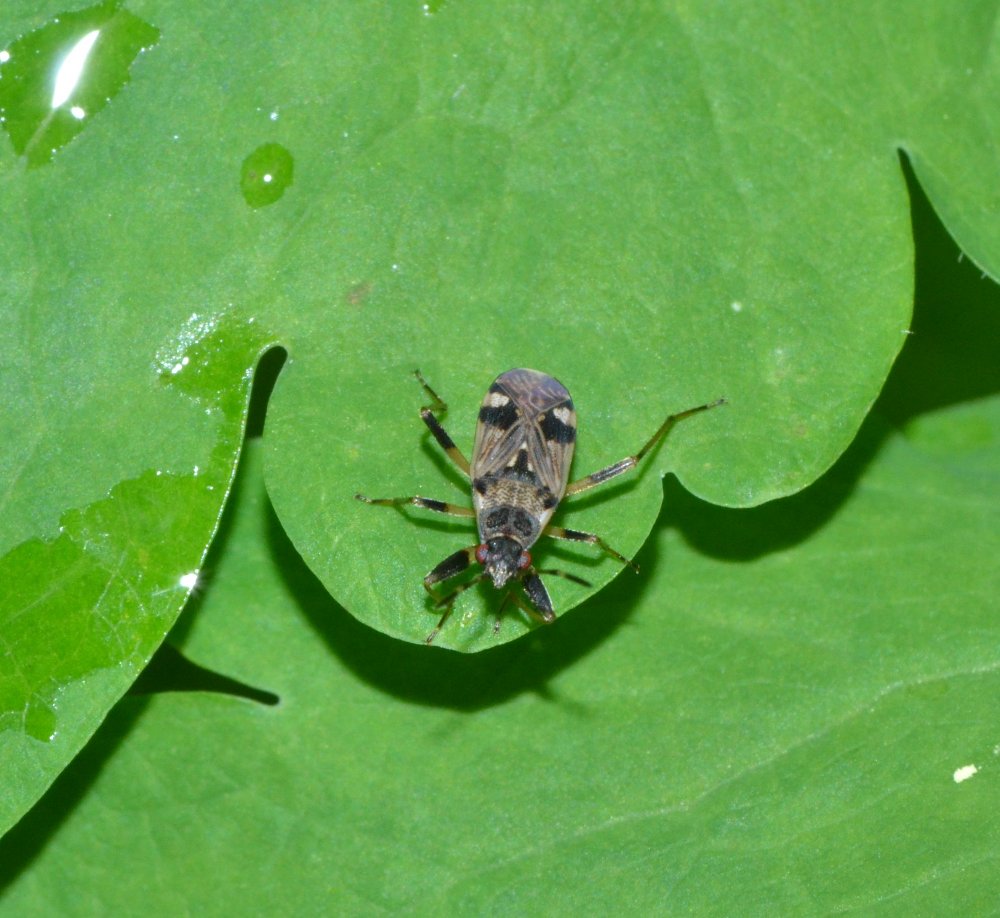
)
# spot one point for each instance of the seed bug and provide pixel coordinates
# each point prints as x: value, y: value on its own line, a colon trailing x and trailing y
x: 524, y: 445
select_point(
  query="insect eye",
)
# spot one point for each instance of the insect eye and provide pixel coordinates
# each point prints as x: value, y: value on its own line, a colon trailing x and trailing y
x: 524, y: 560
x: 481, y: 553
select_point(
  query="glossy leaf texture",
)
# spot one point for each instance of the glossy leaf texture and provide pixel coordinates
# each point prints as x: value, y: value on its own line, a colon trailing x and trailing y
x: 657, y: 205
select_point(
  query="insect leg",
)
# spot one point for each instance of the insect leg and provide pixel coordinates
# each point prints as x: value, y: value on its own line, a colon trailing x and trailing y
x: 440, y: 434
x: 539, y: 596
x: 511, y: 595
x: 540, y: 606
x: 522, y: 604
x: 555, y: 572
x: 630, y: 462
x: 449, y: 603
x: 575, y: 535
x: 437, y: 403
x: 427, y: 503
x: 450, y: 567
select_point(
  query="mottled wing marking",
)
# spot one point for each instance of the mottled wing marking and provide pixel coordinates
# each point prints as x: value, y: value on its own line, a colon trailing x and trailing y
x: 526, y: 423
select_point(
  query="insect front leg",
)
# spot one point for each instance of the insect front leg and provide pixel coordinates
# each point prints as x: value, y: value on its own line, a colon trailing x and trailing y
x: 513, y: 597
x: 540, y: 605
x: 575, y: 535
x: 630, y: 462
x: 440, y: 434
x: 452, y: 566
x: 539, y: 596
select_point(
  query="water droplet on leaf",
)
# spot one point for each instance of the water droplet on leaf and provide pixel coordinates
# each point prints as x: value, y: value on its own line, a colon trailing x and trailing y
x: 57, y: 77
x: 265, y: 175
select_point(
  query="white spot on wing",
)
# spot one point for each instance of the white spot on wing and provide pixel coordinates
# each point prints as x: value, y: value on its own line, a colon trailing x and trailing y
x: 497, y: 400
x: 563, y: 414
x: 523, y: 448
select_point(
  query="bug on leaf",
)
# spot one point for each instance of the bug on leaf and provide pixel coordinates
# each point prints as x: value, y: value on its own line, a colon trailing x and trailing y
x: 519, y: 472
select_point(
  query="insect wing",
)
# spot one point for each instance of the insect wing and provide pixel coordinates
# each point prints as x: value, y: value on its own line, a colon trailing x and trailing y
x: 527, y: 411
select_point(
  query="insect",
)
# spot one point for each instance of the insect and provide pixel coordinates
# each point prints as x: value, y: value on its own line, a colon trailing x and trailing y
x: 524, y: 445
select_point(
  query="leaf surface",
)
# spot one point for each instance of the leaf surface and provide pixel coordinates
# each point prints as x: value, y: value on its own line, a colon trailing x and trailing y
x: 659, y: 206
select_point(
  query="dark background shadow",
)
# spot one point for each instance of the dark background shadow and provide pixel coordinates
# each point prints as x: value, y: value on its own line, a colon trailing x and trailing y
x: 950, y: 357
x: 22, y: 844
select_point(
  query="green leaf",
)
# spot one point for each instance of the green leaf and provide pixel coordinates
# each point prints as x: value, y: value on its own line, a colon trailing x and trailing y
x: 640, y: 225
x: 792, y: 711
x: 659, y: 206
x: 84, y: 610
